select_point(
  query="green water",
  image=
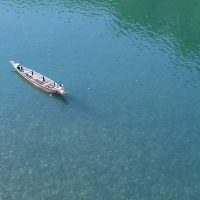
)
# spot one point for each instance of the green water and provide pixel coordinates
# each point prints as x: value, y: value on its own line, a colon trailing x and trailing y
x: 129, y: 128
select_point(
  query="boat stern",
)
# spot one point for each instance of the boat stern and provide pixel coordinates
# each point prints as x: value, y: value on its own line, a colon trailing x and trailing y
x: 62, y: 91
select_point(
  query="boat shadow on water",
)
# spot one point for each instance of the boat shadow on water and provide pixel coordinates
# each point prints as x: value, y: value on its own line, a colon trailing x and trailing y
x: 80, y: 106
x: 61, y: 98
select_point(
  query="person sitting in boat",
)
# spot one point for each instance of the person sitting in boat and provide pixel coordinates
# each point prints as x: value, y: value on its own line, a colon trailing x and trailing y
x: 60, y: 84
x: 19, y: 67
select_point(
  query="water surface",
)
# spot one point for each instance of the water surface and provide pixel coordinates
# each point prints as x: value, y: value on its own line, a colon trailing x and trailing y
x: 129, y: 128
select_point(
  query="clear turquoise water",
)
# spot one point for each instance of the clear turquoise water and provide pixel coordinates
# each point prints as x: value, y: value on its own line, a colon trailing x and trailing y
x: 129, y: 129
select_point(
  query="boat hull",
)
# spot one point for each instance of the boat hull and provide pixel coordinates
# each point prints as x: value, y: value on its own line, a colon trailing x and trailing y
x: 38, y: 80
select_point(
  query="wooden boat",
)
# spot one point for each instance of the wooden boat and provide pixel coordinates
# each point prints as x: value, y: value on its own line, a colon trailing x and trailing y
x: 39, y: 80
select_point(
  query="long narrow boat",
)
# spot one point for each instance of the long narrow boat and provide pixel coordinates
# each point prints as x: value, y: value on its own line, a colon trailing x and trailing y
x: 38, y: 79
